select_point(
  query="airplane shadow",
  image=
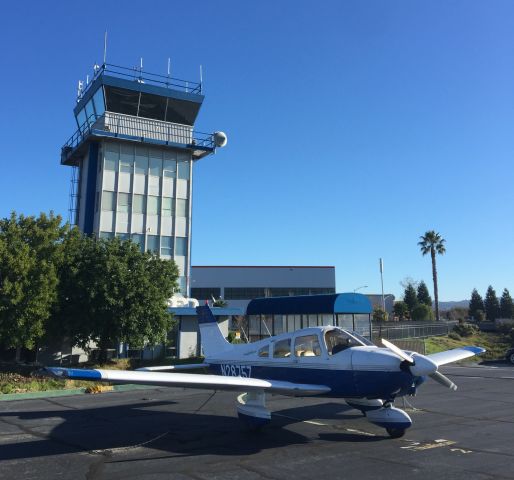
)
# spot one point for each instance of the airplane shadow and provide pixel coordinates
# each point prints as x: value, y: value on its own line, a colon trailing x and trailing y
x: 107, y: 429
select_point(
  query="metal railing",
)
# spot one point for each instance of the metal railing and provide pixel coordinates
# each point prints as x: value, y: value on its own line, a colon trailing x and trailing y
x: 401, y: 330
x: 137, y: 74
x: 138, y: 128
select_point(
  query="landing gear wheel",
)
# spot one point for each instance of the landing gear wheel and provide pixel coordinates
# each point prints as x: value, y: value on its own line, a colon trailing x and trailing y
x: 511, y: 358
x: 395, y: 432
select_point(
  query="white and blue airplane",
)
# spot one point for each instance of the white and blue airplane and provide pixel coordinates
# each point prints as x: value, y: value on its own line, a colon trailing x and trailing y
x: 325, y: 361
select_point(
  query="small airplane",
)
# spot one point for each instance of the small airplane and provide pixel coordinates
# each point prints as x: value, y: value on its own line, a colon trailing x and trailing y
x: 325, y: 361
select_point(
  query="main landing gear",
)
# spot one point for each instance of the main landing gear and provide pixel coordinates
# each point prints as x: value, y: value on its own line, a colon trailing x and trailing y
x: 252, y: 411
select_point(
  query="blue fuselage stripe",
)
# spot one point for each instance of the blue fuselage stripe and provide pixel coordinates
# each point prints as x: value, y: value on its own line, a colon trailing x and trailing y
x: 342, y: 383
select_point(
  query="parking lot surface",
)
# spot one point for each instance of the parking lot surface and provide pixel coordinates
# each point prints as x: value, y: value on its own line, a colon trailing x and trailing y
x: 195, y: 434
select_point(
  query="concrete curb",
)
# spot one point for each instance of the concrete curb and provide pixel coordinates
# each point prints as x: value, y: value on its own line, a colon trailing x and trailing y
x: 67, y: 392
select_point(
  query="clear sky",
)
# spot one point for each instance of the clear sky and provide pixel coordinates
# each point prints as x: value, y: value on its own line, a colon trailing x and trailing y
x: 353, y: 126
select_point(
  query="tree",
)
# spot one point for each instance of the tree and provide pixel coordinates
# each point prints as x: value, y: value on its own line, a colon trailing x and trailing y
x: 422, y: 312
x: 491, y: 304
x: 410, y: 298
x: 433, y: 243
x: 476, y: 303
x: 401, y: 310
x: 110, y: 292
x: 29, y: 250
x: 506, y: 305
x: 423, y: 295
x: 379, y: 315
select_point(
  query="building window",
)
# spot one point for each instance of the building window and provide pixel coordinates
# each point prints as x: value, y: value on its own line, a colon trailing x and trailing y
x: 181, y: 246
x: 169, y: 168
x: 108, y: 201
x: 167, y: 207
x: 98, y: 101
x: 112, y: 156
x: 141, y: 165
x: 166, y: 246
x: 124, y: 201
x: 152, y: 243
x: 155, y: 164
x: 139, y: 204
x: 182, y: 208
x: 279, y: 292
x: 139, y: 240
x: 154, y: 207
x: 205, y: 293
x: 183, y: 170
x: 123, y: 236
x: 243, y: 293
x: 106, y: 235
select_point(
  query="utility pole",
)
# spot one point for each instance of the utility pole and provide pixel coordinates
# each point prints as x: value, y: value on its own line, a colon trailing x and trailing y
x: 381, y: 263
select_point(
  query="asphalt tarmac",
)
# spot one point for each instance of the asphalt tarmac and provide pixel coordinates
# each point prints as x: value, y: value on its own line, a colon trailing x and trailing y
x: 194, y: 434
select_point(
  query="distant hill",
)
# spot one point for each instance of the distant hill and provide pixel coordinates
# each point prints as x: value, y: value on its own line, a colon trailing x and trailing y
x: 449, y: 305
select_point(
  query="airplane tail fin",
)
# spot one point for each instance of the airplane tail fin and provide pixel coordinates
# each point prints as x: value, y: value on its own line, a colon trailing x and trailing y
x: 213, y: 341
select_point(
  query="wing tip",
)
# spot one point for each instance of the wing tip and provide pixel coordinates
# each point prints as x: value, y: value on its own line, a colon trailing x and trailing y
x: 474, y: 350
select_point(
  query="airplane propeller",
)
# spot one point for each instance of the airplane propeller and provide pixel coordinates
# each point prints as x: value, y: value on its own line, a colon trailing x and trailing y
x: 420, y: 365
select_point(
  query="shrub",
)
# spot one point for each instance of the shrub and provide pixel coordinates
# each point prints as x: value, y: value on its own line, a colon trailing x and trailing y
x: 454, y: 336
x: 422, y: 312
x: 465, y: 329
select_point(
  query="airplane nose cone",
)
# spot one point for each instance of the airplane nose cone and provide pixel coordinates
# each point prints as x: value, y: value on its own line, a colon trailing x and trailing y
x: 422, y: 366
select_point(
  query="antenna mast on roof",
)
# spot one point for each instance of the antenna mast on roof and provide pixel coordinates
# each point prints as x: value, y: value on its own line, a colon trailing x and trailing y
x: 105, y: 47
x: 201, y: 79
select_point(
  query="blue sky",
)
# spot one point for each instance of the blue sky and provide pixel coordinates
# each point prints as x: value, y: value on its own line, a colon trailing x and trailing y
x: 353, y: 127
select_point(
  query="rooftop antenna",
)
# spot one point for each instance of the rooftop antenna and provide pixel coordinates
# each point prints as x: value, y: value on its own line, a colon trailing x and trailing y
x: 80, y: 87
x: 87, y: 79
x: 105, y: 47
x: 201, y: 79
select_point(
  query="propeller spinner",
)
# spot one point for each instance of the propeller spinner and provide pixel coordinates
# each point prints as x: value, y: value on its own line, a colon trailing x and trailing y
x: 420, y: 365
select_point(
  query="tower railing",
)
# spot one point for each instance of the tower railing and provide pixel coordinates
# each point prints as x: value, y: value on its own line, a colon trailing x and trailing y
x: 139, y: 75
x: 118, y: 125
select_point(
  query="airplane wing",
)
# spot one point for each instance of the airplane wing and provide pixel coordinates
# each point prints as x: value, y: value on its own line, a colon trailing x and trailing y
x: 188, y: 380
x: 185, y: 366
x: 449, y: 356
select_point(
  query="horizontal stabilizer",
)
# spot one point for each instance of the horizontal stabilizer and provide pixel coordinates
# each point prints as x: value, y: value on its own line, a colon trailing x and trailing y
x: 189, y: 380
x: 449, y: 356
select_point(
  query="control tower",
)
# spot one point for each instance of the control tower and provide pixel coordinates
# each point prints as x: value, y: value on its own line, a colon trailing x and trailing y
x: 132, y: 158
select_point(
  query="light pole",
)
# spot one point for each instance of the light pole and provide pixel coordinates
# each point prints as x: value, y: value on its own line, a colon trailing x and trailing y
x: 382, y: 282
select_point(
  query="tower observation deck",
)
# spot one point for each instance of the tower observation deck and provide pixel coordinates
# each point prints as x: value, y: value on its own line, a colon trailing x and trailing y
x: 132, y: 157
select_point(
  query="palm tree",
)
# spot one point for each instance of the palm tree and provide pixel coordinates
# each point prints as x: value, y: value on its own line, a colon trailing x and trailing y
x: 433, y: 242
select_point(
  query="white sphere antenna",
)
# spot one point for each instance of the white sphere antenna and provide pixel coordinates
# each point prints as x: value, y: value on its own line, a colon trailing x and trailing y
x: 220, y: 139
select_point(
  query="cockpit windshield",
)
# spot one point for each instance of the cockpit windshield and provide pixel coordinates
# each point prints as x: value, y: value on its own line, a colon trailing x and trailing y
x: 338, y: 340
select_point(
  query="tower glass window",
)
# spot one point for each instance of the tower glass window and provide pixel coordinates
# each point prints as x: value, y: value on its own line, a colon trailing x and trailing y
x: 141, y: 166
x: 124, y: 202
x: 183, y: 170
x: 181, y: 246
x: 155, y: 164
x: 108, y: 201
x: 139, y: 239
x: 167, y: 207
x: 139, y: 204
x: 152, y: 243
x: 181, y: 208
x: 169, y: 168
x: 166, y: 246
x: 154, y: 206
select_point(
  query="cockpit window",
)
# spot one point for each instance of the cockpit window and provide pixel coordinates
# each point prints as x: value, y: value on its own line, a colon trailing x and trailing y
x: 307, y: 346
x: 338, y: 340
x: 264, y: 351
x: 282, y: 348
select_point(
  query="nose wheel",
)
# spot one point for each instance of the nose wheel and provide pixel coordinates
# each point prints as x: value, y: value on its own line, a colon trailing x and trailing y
x: 395, y: 432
